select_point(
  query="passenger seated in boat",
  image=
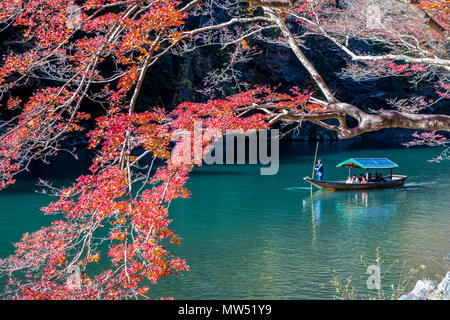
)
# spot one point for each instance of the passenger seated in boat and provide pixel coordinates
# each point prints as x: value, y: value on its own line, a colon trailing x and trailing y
x: 369, y: 178
x: 355, y: 179
x: 362, y: 178
x: 349, y: 180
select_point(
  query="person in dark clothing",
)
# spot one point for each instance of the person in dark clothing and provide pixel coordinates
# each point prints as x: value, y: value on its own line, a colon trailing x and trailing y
x: 319, y: 169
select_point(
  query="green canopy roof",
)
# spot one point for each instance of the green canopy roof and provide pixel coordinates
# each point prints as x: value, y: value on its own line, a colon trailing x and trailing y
x: 368, y: 163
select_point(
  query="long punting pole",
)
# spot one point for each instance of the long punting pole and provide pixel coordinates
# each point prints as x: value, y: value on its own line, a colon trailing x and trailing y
x: 315, y: 157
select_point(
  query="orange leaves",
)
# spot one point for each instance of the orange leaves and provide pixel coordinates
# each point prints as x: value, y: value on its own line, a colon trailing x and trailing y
x: 45, y: 115
x: 18, y: 63
x: 9, y: 8
x: 86, y: 49
x: 127, y: 81
x: 439, y: 5
x: 139, y: 39
x: 179, y: 265
x: 225, y: 114
x: 118, y: 235
x: 48, y: 244
x: 13, y: 103
x: 46, y: 21
x: 244, y: 45
x: 136, y: 222
x: 314, y: 107
x: 121, y: 220
x: 175, y: 36
x: 93, y: 257
x: 143, y: 290
x: 219, y: 114
x: 146, y: 127
x: 102, y: 22
x: 94, y: 4
x: 96, y: 196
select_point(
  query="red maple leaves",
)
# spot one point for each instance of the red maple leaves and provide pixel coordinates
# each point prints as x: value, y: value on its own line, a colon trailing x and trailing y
x: 117, y: 215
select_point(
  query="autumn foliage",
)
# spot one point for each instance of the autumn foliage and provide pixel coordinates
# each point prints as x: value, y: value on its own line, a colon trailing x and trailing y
x: 118, y: 215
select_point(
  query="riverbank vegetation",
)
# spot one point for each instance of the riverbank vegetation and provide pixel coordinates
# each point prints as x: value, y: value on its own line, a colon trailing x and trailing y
x: 403, y: 279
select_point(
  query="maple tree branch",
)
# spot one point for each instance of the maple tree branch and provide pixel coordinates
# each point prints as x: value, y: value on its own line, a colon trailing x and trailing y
x: 227, y: 24
x: 445, y: 63
x: 367, y: 122
x: 278, y: 4
x: 300, y: 55
x: 425, y: 17
x: 190, y: 5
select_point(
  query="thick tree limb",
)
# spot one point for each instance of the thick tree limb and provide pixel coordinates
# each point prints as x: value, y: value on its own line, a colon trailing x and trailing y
x: 278, y: 4
x: 367, y: 122
x: 300, y: 55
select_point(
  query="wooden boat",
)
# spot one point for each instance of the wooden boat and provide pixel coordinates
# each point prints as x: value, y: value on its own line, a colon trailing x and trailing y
x: 397, y: 181
x: 390, y: 181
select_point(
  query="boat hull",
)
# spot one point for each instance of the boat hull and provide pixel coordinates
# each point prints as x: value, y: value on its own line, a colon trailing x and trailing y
x: 397, y: 181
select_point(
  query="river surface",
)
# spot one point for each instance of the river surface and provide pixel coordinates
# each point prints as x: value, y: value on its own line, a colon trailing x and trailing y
x: 247, y: 236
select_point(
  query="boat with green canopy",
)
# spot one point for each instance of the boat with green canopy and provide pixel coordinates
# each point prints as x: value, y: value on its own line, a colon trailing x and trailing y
x: 367, y: 164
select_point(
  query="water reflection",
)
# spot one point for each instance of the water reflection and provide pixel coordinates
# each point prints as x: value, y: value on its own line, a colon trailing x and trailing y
x: 352, y: 207
x: 316, y: 209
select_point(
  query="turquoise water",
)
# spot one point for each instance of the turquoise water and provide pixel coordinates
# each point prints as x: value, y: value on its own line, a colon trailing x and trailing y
x: 247, y: 236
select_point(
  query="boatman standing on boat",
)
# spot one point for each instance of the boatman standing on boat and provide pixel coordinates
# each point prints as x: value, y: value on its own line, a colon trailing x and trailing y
x: 319, y: 169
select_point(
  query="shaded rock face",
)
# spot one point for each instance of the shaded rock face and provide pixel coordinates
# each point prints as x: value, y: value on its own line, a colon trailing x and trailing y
x: 427, y: 290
